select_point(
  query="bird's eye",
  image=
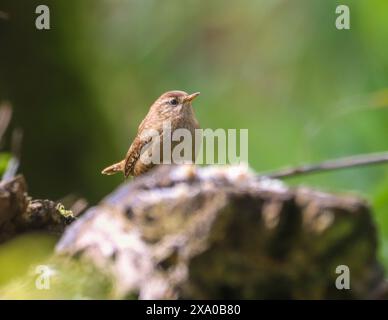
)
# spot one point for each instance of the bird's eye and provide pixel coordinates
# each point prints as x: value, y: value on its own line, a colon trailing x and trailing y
x: 174, y: 101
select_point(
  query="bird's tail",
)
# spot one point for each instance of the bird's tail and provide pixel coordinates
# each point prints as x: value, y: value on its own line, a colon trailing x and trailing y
x: 114, y: 168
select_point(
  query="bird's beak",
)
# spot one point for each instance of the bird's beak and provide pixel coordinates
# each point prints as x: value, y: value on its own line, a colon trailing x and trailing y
x: 191, y: 97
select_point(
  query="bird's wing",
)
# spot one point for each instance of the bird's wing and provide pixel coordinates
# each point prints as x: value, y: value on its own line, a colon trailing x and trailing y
x: 137, y: 146
x: 134, y: 153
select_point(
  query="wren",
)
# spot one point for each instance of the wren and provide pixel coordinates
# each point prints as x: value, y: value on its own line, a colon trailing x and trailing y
x: 173, y: 107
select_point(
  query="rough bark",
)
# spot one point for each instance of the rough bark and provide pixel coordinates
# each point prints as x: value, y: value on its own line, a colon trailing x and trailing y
x: 222, y: 232
x: 19, y: 213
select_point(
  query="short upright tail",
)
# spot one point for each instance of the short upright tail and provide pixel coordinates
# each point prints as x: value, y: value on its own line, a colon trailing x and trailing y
x: 114, y: 168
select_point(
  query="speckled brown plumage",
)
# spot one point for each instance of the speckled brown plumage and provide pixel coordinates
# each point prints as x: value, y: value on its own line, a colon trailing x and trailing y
x: 173, y: 107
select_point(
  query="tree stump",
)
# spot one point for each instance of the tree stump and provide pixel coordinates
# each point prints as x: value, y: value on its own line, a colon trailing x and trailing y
x: 186, y: 232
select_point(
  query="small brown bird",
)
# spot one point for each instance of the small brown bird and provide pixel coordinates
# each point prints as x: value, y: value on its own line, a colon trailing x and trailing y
x: 173, y: 107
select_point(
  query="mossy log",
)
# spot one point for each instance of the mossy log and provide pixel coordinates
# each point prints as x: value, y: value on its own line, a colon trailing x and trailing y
x: 19, y: 213
x: 185, y: 232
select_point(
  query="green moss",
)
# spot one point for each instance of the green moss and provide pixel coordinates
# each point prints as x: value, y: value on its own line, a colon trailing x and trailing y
x: 66, y: 213
x: 4, y: 159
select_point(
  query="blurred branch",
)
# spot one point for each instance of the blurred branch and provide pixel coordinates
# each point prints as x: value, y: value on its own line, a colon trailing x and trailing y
x: 330, y: 165
x: 79, y: 206
x: 76, y: 204
x: 14, y: 162
x: 19, y: 213
x: 4, y: 15
x: 17, y: 136
x: 5, y: 117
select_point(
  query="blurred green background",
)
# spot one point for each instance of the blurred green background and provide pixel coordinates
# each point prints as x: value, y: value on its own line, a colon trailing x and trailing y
x: 305, y: 90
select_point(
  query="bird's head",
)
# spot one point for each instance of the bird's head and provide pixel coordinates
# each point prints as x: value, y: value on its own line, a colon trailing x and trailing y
x: 174, y: 102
